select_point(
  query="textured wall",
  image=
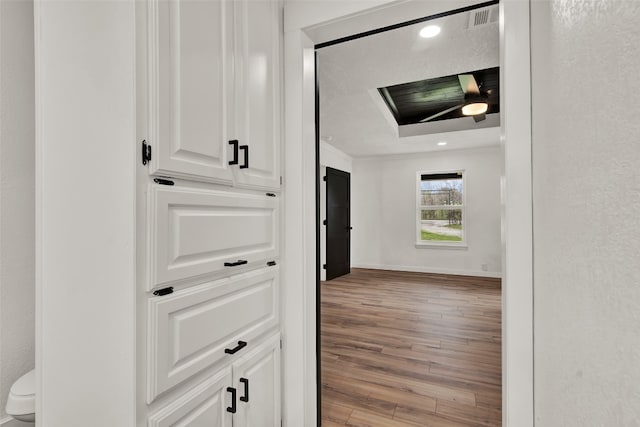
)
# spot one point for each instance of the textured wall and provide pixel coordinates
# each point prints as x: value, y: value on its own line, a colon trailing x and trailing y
x: 586, y: 159
x: 17, y: 163
x: 383, y: 212
x: 87, y: 149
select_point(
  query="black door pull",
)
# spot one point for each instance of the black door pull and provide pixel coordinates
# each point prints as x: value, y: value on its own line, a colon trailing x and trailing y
x: 234, y: 161
x: 349, y: 228
x: 245, y: 148
x: 240, y: 346
x: 235, y: 264
x: 232, y: 408
x: 245, y: 398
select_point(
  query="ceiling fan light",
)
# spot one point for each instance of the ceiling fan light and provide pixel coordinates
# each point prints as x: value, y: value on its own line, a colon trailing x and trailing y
x: 429, y: 31
x: 475, y: 108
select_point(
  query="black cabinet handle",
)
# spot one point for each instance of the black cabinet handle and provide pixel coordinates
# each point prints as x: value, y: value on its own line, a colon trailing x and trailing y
x: 349, y: 228
x: 164, y: 291
x: 146, y: 152
x: 234, y: 142
x: 245, y: 398
x: 237, y: 263
x: 240, y: 346
x: 245, y: 148
x: 232, y: 408
x: 162, y: 181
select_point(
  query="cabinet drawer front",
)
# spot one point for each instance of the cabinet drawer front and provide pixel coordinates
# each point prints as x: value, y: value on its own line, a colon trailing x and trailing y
x: 190, y: 329
x: 193, y: 233
x: 204, y: 405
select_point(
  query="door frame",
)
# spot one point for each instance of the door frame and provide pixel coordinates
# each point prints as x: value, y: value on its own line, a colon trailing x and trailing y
x: 304, y: 22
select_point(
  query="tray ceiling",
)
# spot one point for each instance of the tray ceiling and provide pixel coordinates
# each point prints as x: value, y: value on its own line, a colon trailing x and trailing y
x: 354, y: 116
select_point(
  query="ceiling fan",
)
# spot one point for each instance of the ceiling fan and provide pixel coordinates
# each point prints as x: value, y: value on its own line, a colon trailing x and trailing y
x: 475, y: 104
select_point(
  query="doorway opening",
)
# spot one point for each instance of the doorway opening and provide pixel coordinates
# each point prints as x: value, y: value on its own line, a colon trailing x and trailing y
x: 310, y: 23
x: 402, y: 340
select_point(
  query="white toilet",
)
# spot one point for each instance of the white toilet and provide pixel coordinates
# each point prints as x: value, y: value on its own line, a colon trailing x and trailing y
x: 21, y: 404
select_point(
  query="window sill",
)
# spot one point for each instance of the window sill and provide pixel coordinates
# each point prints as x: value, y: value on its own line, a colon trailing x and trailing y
x: 455, y: 246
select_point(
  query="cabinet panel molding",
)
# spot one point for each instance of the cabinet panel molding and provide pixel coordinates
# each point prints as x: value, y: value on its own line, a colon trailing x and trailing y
x: 194, y: 232
x: 189, y: 330
x: 261, y: 371
x: 190, y: 88
x: 204, y: 405
x: 258, y: 40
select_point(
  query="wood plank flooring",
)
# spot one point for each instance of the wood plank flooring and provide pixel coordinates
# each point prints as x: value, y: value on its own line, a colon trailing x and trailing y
x: 410, y: 349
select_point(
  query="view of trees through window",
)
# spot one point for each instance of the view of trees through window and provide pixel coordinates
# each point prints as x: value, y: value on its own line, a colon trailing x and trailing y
x: 441, y: 207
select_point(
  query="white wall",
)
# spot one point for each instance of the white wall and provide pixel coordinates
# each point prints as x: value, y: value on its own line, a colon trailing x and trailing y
x: 86, y: 153
x: 334, y: 158
x: 586, y: 173
x: 383, y: 204
x: 17, y: 163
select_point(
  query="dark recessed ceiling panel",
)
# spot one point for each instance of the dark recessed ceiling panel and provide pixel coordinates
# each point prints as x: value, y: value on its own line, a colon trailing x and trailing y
x: 413, y: 102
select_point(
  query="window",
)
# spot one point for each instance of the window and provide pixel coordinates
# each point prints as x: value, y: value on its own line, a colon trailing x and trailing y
x: 440, y: 208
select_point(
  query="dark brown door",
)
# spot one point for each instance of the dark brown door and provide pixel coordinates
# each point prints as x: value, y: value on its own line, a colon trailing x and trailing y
x: 338, y: 223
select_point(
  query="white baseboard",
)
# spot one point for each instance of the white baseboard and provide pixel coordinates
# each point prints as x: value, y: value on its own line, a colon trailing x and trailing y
x: 10, y: 422
x: 421, y: 269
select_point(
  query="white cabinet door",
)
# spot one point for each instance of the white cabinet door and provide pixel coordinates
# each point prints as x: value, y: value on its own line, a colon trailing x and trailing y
x: 190, y: 88
x: 257, y: 379
x: 198, y: 327
x: 199, y: 233
x: 258, y: 103
x: 203, y: 406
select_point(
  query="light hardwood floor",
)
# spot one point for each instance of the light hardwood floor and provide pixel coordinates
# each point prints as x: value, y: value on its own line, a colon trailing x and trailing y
x: 410, y: 349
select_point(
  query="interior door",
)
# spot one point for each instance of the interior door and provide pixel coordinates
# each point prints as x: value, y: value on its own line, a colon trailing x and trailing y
x: 338, y: 223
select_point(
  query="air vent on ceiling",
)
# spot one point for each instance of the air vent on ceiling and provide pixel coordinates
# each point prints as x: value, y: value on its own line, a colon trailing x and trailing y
x: 484, y: 16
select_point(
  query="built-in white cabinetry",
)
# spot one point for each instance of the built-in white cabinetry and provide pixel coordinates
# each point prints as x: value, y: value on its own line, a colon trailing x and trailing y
x: 191, y: 93
x: 258, y: 107
x: 203, y: 232
x: 214, y: 91
x: 257, y: 379
x: 209, y: 94
x: 203, y: 406
x: 243, y: 394
x: 200, y: 326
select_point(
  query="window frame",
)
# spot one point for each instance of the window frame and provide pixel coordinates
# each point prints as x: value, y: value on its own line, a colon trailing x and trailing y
x: 442, y: 244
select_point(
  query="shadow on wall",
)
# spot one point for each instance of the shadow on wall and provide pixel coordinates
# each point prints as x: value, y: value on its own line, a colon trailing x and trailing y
x: 17, y: 195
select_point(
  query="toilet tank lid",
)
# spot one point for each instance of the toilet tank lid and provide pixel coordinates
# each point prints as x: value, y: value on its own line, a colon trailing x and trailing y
x: 25, y: 385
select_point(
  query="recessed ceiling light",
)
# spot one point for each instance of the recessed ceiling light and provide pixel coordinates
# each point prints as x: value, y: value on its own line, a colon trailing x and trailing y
x: 429, y: 31
x: 442, y: 143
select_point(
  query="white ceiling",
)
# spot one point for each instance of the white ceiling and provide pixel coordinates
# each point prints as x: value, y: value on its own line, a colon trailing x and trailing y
x: 353, y: 116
